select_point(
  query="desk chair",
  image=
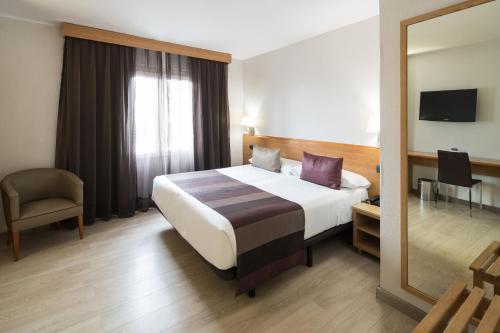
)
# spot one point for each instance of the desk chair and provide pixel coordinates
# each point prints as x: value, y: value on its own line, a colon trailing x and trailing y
x: 454, y: 169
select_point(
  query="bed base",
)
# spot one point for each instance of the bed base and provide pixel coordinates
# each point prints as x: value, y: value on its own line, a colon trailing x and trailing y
x: 322, y: 236
x: 230, y: 274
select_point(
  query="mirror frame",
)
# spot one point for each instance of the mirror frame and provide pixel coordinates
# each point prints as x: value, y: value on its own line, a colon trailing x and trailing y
x: 404, y: 133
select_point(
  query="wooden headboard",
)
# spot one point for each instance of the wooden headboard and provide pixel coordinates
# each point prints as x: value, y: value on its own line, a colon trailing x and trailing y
x: 359, y: 159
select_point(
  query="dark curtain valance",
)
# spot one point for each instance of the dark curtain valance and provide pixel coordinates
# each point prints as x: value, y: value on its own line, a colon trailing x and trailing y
x: 95, y: 125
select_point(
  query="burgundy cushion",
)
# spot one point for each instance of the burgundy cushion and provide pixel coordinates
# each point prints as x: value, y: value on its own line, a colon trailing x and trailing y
x: 322, y: 170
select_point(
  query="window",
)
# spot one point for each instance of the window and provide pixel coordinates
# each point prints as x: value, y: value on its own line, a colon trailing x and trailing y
x: 163, y: 115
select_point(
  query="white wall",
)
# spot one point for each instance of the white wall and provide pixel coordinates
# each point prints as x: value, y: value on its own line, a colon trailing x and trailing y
x: 30, y: 72
x: 30, y: 76
x: 391, y: 13
x: 472, y: 66
x: 323, y: 88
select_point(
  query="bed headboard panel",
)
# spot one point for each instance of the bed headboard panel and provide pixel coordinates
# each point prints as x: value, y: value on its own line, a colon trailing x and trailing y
x: 359, y: 159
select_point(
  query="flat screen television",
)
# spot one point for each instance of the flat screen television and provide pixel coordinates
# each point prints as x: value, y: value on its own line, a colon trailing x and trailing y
x: 448, y: 105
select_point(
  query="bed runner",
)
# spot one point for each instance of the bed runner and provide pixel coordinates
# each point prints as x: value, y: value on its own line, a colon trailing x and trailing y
x: 269, y: 230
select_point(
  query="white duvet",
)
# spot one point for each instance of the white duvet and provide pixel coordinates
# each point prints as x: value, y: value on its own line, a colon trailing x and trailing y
x: 212, y: 235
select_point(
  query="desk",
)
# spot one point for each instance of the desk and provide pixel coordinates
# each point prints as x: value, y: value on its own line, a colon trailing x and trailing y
x: 480, y: 166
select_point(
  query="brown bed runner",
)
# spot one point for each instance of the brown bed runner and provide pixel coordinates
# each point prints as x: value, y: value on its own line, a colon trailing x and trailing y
x: 269, y: 230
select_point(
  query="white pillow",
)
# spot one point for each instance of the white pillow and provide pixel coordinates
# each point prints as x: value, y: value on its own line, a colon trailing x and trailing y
x: 296, y: 170
x: 353, y: 180
x: 289, y: 167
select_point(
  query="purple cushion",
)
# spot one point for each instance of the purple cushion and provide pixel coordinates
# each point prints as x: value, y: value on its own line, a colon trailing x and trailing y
x: 322, y: 170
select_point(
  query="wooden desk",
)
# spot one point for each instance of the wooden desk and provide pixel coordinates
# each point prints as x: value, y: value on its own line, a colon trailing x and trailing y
x: 480, y: 166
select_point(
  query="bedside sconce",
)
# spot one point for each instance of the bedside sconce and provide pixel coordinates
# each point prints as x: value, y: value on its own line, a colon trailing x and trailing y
x: 249, y: 123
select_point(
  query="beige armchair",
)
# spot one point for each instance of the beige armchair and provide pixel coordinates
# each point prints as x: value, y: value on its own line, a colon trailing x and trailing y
x: 37, y: 197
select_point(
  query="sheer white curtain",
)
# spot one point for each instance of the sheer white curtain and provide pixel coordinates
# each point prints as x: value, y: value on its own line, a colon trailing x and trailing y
x: 163, y: 118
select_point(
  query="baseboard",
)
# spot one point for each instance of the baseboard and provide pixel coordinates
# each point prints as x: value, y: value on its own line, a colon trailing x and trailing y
x: 493, y: 209
x: 399, y: 304
x: 442, y: 197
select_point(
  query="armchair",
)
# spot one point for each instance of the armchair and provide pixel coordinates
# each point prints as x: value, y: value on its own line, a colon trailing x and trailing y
x: 37, y: 197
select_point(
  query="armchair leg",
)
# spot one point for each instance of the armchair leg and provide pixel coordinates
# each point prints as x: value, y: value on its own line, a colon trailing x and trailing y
x: 80, y: 225
x: 481, y: 195
x: 14, y: 238
x: 437, y: 195
x: 470, y: 201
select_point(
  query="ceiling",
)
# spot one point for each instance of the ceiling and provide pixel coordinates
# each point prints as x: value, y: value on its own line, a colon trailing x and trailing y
x: 244, y: 28
x: 466, y: 27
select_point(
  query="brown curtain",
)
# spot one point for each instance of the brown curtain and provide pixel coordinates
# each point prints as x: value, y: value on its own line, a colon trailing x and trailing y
x: 96, y: 130
x: 95, y: 125
x: 210, y: 114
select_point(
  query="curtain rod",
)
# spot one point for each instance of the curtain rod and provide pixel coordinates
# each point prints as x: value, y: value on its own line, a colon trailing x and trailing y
x: 106, y: 36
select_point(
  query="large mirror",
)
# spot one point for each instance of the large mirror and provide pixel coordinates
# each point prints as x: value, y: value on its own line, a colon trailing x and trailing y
x: 451, y: 135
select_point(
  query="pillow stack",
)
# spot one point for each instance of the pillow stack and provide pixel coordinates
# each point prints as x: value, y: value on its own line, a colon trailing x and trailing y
x: 321, y: 170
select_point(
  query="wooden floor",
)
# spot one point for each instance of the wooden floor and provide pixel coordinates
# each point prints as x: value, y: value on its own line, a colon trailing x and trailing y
x: 139, y: 275
x: 443, y: 242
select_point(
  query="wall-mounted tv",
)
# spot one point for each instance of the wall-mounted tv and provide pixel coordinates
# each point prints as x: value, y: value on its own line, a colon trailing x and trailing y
x: 448, y: 105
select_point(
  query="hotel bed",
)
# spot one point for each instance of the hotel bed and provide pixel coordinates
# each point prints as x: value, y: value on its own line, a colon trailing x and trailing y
x: 251, y: 224
x: 212, y: 235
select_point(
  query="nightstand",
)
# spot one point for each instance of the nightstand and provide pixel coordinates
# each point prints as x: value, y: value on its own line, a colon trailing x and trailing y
x: 366, y: 228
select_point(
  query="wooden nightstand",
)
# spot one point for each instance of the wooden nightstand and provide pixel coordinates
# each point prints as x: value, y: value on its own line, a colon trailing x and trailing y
x: 366, y: 228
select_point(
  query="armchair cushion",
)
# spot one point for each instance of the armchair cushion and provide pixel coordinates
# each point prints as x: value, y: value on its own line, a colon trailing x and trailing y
x: 46, y: 206
x: 42, y: 212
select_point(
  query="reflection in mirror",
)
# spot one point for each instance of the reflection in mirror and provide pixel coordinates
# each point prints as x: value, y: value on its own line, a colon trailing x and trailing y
x: 453, y: 107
